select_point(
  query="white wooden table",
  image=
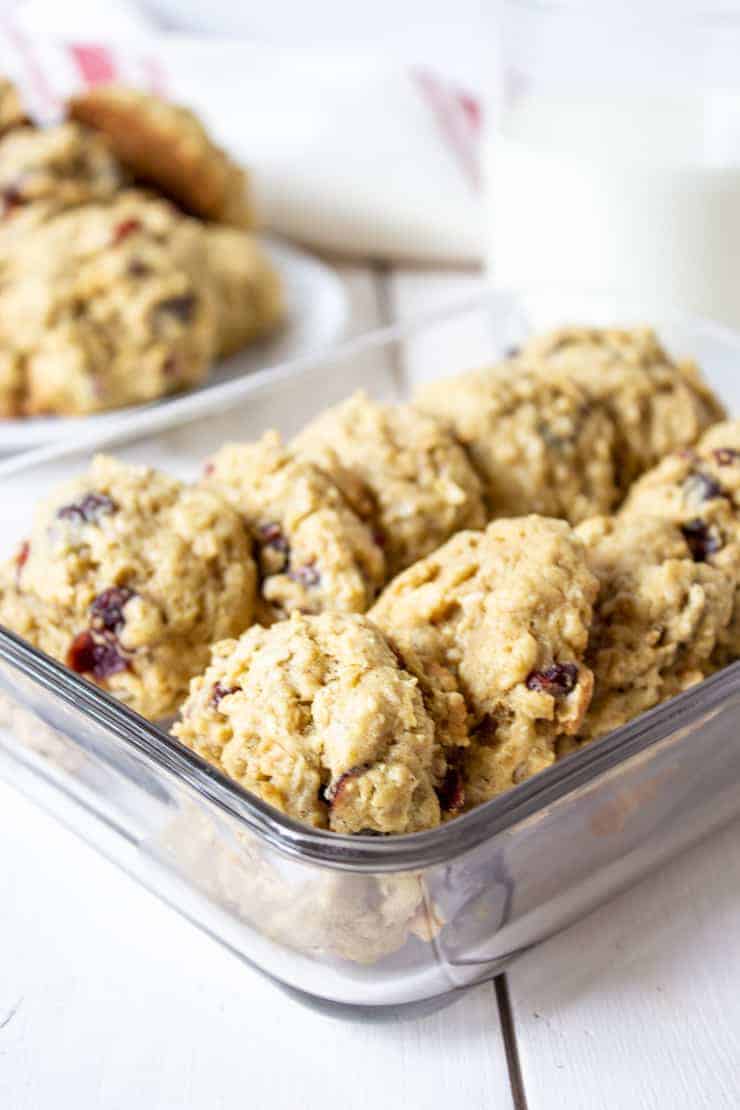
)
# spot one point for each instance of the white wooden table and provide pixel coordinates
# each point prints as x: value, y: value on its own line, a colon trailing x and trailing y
x: 109, y: 1000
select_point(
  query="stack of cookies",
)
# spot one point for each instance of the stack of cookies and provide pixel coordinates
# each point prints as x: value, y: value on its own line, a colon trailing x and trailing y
x: 409, y: 609
x: 126, y: 260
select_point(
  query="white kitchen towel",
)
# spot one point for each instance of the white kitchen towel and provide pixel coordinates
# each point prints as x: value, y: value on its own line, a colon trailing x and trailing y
x: 349, y: 153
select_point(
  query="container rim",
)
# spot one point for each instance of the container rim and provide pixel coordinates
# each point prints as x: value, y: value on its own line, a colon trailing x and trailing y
x: 408, y: 852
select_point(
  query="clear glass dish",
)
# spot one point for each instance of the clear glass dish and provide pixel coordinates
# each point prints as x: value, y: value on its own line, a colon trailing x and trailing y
x: 364, y: 922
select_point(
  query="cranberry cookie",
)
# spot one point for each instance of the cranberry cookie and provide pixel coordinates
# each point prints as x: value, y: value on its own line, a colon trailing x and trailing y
x: 657, y: 404
x: 314, y: 552
x: 658, y: 619
x: 105, y: 305
x: 538, y: 442
x: 698, y: 489
x: 401, y: 470
x: 317, y: 716
x: 506, y: 612
x: 128, y: 577
x: 167, y: 147
x: 248, y: 290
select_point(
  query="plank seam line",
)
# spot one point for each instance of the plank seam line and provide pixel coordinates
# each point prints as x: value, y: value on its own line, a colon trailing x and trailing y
x: 508, y: 1031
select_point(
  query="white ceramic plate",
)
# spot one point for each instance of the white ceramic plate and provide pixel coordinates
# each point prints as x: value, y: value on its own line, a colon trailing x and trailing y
x: 316, y: 318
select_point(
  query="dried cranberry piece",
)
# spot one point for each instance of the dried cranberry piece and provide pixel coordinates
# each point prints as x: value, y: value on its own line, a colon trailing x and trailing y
x: 307, y: 575
x: 171, y: 367
x: 124, y: 229
x: 334, y: 791
x: 208, y: 469
x: 220, y: 691
x: 11, y: 198
x: 485, y: 730
x: 23, y: 552
x: 726, y: 456
x: 88, y: 510
x: 701, y: 540
x: 106, y: 611
x: 138, y: 269
x: 556, y: 680
x: 182, y: 307
x: 701, y: 487
x: 98, y: 656
x: 451, y: 792
x: 271, y: 535
x: 379, y: 538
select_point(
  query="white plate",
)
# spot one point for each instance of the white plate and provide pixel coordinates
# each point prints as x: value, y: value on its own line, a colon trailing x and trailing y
x: 316, y: 317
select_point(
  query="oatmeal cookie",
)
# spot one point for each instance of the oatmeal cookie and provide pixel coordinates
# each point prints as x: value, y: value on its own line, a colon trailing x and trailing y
x: 105, y: 305
x: 12, y: 112
x: 507, y: 612
x: 62, y: 165
x: 658, y: 404
x: 249, y: 294
x: 317, y: 717
x: 539, y: 444
x: 128, y: 577
x: 658, y: 618
x: 698, y: 489
x: 401, y: 470
x: 167, y: 147
x: 313, y: 551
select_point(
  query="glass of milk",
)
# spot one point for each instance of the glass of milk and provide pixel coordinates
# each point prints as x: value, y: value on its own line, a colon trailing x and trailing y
x: 612, y: 156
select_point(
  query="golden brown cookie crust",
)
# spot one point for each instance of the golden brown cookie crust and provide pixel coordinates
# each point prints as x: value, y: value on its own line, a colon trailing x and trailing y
x: 166, y: 146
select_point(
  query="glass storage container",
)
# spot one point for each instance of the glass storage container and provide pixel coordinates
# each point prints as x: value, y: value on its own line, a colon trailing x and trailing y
x: 363, y: 922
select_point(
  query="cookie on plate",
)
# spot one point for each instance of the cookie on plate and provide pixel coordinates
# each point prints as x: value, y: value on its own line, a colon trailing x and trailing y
x: 698, y: 489
x: 167, y: 147
x: 128, y: 577
x: 401, y: 470
x: 12, y: 112
x: 247, y: 287
x: 62, y: 166
x: 313, y: 551
x: 658, y: 404
x: 539, y: 444
x: 317, y: 717
x: 507, y: 612
x: 657, y: 621
x: 105, y: 305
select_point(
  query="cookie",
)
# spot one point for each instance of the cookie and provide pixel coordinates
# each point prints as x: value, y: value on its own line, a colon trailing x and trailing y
x: 507, y: 612
x: 658, y: 618
x: 317, y: 717
x: 12, y: 112
x: 698, y: 489
x: 658, y: 404
x: 62, y: 166
x: 248, y: 290
x: 105, y: 305
x: 128, y: 577
x: 539, y: 444
x: 313, y: 551
x: 401, y: 470
x: 167, y: 147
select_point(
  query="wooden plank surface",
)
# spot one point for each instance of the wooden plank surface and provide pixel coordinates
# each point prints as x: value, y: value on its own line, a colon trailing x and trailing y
x: 110, y: 1000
